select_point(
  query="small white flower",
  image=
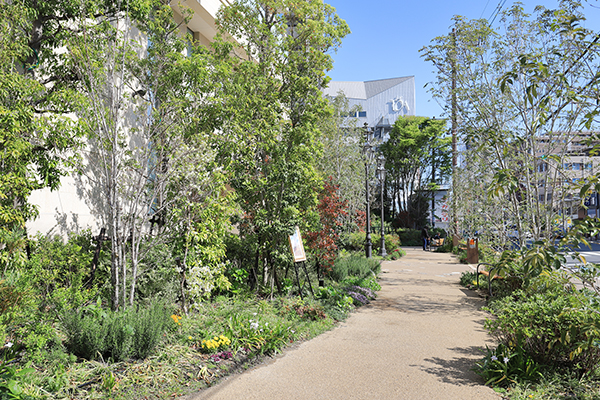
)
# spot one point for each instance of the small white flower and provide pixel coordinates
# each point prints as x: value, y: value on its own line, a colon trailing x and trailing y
x: 505, y: 360
x: 253, y: 313
x: 9, y: 345
x: 494, y: 358
x: 254, y: 325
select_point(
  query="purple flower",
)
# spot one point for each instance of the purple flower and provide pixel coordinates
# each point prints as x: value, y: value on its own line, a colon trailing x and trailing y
x: 224, y: 355
x: 358, y: 297
x: 368, y: 293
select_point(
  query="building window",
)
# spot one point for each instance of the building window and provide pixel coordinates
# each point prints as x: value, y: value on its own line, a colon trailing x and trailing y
x: 362, y: 114
x: 576, y: 166
x: 542, y: 167
x: 190, y: 39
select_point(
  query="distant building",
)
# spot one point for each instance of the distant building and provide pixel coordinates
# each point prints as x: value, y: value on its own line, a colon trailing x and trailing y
x: 564, y: 159
x: 381, y: 102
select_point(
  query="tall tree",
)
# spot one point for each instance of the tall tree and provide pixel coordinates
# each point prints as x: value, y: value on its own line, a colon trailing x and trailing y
x: 341, y: 158
x: 34, y: 133
x: 272, y: 102
x: 144, y: 110
x: 522, y: 92
x: 416, y: 160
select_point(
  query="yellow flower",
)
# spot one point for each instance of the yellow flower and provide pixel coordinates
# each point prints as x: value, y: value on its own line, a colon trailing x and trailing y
x: 189, y: 338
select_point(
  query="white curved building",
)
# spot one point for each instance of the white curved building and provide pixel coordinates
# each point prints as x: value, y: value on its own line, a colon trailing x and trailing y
x: 381, y: 101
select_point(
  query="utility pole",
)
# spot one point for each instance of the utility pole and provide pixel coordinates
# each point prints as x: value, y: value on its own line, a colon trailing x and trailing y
x: 454, y: 131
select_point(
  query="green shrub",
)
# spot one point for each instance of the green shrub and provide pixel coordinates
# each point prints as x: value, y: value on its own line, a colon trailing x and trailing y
x: 552, y: 327
x: 158, y: 277
x: 467, y: 278
x: 503, y: 366
x: 354, y: 265
x: 410, y: 237
x: 487, y: 253
x: 353, y: 242
x: 446, y: 247
x: 260, y: 334
x: 149, y: 324
x: 336, y: 302
x: 392, y: 242
x: 120, y: 335
x: 368, y: 282
x: 25, y: 319
x: 60, y: 271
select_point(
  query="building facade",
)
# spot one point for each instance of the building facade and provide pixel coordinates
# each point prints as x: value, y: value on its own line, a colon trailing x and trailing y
x: 66, y: 210
x: 566, y: 159
x: 380, y: 102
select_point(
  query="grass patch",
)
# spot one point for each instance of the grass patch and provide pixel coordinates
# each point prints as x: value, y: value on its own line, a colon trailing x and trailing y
x: 180, y: 364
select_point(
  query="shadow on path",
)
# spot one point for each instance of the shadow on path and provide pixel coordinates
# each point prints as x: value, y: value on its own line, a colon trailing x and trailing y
x: 459, y: 370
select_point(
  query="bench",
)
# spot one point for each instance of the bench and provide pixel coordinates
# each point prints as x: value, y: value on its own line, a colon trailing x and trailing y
x: 491, y: 275
x: 435, y: 243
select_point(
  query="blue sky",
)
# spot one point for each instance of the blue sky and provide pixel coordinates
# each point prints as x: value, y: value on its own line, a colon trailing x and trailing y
x: 387, y: 35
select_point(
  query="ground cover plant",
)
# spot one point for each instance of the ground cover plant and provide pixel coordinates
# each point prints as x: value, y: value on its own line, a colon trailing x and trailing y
x: 61, y: 339
x: 546, y: 327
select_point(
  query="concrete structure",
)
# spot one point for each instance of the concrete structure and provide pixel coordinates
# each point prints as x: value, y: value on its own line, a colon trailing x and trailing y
x: 66, y: 209
x: 380, y: 102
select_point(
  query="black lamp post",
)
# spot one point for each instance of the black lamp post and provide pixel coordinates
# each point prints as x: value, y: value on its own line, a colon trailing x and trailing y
x: 368, y: 153
x: 381, y: 177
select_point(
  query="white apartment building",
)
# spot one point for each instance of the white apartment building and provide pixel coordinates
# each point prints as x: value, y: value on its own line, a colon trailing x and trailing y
x: 65, y: 209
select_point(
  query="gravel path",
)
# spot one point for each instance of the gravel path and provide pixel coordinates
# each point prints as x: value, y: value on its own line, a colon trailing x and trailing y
x: 417, y: 340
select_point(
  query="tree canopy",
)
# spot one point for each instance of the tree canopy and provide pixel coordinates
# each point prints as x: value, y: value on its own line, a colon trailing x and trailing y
x: 271, y: 105
x: 522, y: 93
x: 417, y: 160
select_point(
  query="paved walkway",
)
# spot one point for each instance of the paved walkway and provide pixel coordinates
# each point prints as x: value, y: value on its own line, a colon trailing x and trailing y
x: 418, y: 340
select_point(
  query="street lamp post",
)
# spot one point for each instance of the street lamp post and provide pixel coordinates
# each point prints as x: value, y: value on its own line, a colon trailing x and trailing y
x: 381, y: 176
x: 368, y: 153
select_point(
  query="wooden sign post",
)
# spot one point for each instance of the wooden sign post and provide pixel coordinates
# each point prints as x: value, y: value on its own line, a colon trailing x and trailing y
x: 299, y: 258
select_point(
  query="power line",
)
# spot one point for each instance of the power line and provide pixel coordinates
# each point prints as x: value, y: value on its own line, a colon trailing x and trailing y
x: 497, y: 11
x: 484, y: 8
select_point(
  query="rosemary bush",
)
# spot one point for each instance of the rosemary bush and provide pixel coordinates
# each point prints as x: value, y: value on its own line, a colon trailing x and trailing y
x: 93, y: 331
